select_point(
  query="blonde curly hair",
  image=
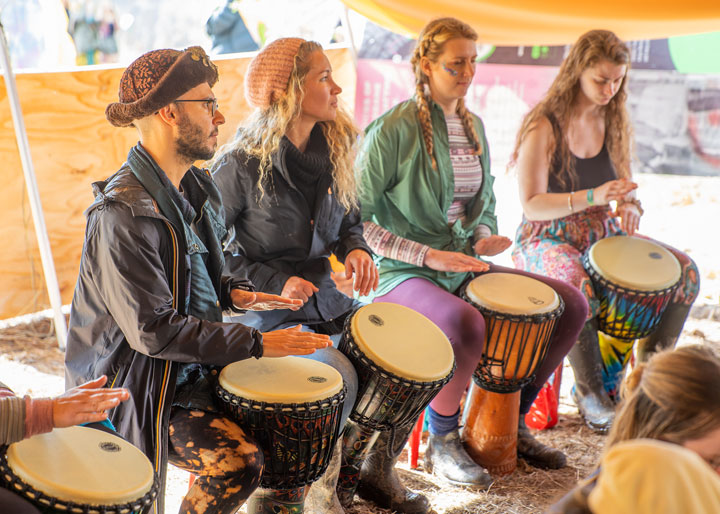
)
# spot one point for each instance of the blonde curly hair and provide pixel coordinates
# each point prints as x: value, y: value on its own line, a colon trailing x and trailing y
x: 592, y: 47
x: 260, y: 135
x: 431, y: 44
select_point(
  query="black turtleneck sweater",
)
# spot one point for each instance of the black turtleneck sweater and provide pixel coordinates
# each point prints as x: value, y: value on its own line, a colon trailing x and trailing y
x: 306, y: 167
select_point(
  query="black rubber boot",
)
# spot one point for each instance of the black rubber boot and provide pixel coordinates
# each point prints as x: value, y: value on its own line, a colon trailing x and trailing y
x: 536, y: 453
x: 589, y: 393
x: 446, y: 458
x: 379, y: 481
x: 666, y: 333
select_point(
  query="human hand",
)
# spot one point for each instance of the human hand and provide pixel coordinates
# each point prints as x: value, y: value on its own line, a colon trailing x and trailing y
x: 86, y: 403
x: 292, y: 341
x: 629, y: 217
x: 366, y: 273
x: 344, y: 285
x: 254, y: 301
x: 299, y: 289
x: 492, y: 245
x: 453, y: 261
x: 613, y: 190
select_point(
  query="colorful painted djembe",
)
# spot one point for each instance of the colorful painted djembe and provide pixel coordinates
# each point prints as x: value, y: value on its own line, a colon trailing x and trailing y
x: 403, y: 360
x: 520, y: 316
x: 291, y: 406
x: 80, y: 470
x: 634, y: 279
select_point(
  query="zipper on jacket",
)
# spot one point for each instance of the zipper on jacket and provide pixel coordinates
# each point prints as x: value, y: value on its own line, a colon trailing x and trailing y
x: 166, y: 371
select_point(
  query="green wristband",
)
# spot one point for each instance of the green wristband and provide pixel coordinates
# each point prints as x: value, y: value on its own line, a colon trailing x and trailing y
x: 591, y: 197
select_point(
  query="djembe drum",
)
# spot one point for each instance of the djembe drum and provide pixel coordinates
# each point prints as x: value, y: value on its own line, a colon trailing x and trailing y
x: 520, y: 316
x: 403, y: 360
x: 634, y: 279
x: 291, y: 406
x: 79, y: 470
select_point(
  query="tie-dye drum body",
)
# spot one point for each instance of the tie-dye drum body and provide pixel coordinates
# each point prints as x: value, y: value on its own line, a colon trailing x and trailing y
x: 634, y: 279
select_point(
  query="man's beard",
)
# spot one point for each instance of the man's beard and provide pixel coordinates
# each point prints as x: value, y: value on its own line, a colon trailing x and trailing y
x: 191, y: 142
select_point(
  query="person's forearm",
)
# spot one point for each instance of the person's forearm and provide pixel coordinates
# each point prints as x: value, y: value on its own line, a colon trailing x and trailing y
x: 38, y: 416
x: 550, y: 206
x: 386, y: 244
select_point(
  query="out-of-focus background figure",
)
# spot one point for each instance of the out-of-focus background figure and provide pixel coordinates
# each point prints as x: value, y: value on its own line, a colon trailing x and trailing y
x: 228, y: 31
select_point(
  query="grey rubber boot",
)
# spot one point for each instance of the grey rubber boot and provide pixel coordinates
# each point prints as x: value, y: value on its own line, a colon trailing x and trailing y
x: 536, y: 453
x: 322, y: 497
x: 379, y: 481
x: 446, y: 458
x: 589, y: 393
x: 666, y: 333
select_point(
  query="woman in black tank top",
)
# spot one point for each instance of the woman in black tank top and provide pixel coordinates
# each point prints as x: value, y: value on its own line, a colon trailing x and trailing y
x: 573, y: 159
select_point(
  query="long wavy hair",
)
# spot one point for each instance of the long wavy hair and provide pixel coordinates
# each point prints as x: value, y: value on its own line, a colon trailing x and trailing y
x: 591, y: 48
x: 260, y: 135
x: 674, y: 397
x: 431, y: 44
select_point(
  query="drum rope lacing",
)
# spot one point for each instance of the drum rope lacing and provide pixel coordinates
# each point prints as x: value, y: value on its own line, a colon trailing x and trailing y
x: 522, y: 323
x: 38, y: 497
x: 369, y: 369
x: 635, y: 318
x: 307, y: 471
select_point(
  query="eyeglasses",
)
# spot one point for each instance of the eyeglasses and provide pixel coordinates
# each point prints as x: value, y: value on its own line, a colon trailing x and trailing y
x: 211, y: 104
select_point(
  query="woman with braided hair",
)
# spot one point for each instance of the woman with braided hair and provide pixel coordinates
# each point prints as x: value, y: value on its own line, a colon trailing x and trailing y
x: 428, y: 206
x: 573, y: 154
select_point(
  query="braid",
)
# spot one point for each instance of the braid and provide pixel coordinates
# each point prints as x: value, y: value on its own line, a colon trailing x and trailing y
x: 425, y: 122
x: 430, y: 45
x: 469, y: 126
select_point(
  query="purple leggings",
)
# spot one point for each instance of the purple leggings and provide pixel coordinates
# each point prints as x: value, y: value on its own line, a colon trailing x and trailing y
x: 465, y: 328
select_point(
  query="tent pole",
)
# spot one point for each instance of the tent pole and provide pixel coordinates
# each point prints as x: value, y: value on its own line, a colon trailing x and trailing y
x: 36, y: 207
x: 348, y: 28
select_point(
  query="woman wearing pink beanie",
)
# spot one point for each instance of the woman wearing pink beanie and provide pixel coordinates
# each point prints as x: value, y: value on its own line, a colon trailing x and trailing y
x: 288, y: 186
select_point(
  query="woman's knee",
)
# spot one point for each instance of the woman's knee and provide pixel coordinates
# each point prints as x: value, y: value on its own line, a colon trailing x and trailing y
x: 468, y: 334
x: 576, y: 304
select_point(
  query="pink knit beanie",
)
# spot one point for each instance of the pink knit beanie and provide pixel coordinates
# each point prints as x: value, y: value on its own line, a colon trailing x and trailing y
x: 268, y: 75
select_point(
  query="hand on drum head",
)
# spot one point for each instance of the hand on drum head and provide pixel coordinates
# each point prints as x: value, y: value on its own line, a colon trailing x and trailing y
x: 298, y: 288
x: 366, y: 273
x: 613, y: 190
x: 292, y: 341
x: 492, y: 245
x: 453, y: 261
x: 262, y: 301
x: 86, y: 403
x: 629, y: 217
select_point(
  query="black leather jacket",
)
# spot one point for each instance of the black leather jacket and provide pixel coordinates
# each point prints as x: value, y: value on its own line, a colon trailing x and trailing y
x: 127, y: 318
x: 279, y: 236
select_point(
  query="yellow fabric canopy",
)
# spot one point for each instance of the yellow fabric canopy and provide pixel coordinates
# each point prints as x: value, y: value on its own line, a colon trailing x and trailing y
x: 548, y: 22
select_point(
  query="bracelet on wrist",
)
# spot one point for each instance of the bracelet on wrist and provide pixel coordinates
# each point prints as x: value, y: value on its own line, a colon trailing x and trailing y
x: 635, y: 202
x: 591, y: 197
x: 570, y: 202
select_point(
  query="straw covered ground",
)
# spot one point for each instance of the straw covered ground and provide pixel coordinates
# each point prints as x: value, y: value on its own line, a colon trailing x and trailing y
x: 31, y: 363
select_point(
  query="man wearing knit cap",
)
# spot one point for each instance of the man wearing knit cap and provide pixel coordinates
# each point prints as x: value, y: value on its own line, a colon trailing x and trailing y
x: 148, y: 305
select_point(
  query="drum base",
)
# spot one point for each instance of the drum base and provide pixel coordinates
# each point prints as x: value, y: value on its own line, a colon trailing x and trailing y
x: 490, y: 432
x: 272, y: 501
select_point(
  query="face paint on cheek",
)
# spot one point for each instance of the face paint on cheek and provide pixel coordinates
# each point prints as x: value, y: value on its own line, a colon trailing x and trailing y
x: 453, y: 73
